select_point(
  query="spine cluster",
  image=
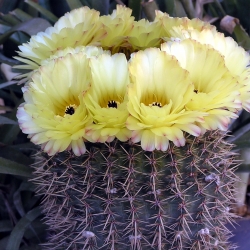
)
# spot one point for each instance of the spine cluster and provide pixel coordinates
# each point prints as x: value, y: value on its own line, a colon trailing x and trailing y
x: 117, y: 196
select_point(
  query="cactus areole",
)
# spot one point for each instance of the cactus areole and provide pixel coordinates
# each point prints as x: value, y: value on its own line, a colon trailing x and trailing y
x: 131, y: 118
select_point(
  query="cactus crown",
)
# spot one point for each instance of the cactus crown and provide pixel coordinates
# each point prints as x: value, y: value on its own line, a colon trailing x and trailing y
x: 84, y: 88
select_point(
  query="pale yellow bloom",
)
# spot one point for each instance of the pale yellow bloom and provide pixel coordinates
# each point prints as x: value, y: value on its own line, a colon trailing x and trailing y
x: 144, y: 35
x: 236, y: 58
x: 126, y: 35
x: 159, y: 91
x: 117, y: 26
x: 89, y: 51
x: 216, y: 91
x: 169, y: 23
x: 54, y: 114
x: 106, y: 99
x: 76, y: 28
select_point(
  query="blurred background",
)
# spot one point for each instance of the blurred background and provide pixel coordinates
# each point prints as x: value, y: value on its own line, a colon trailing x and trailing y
x: 21, y: 222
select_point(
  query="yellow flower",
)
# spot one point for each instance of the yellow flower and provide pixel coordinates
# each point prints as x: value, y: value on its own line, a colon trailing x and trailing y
x: 106, y: 99
x: 216, y: 91
x: 170, y: 23
x: 54, y: 114
x: 117, y: 26
x: 126, y: 35
x: 144, y: 35
x: 89, y: 51
x: 236, y: 58
x: 78, y: 27
x: 159, y: 91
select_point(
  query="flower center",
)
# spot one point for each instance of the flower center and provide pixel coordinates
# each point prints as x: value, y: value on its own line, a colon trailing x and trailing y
x: 112, y: 104
x: 127, y: 51
x: 158, y: 104
x: 70, y: 110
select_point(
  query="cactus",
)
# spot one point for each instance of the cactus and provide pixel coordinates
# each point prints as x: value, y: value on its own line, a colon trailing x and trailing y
x: 129, y: 117
x: 117, y: 196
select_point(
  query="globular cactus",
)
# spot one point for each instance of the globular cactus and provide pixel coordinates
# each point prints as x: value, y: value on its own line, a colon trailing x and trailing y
x: 117, y: 196
x: 129, y: 115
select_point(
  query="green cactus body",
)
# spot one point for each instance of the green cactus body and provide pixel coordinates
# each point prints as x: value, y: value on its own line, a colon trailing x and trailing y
x: 117, y: 196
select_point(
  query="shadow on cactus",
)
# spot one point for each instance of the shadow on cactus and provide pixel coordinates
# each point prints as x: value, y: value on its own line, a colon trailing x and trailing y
x: 131, y: 116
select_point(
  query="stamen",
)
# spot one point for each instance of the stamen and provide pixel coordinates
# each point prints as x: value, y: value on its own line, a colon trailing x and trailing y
x: 70, y: 110
x: 112, y: 104
x: 158, y: 104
